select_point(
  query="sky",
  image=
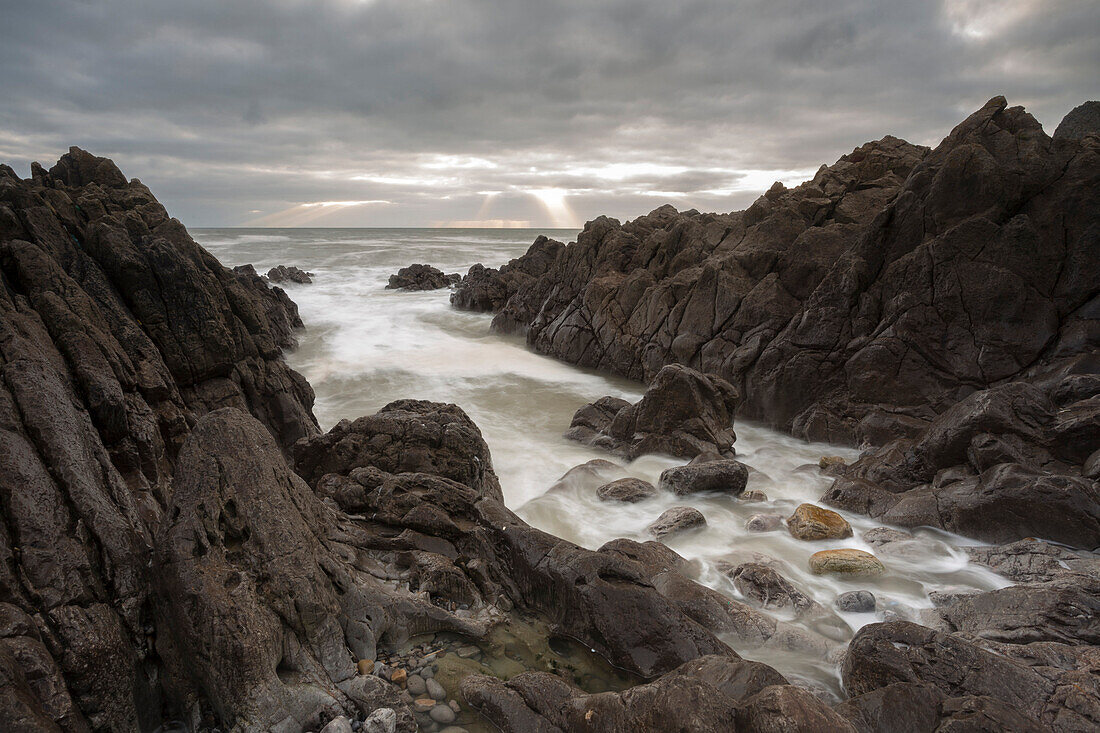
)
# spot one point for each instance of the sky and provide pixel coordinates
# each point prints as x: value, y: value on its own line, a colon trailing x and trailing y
x: 510, y: 113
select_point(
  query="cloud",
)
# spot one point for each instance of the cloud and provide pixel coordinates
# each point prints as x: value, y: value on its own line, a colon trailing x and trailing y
x: 229, y: 109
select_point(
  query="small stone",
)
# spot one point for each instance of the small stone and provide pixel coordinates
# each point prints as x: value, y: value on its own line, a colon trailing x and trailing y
x: 764, y: 522
x: 467, y: 651
x: 453, y: 704
x: 427, y: 672
x: 630, y: 490
x: 831, y: 462
x: 339, y: 724
x: 453, y: 729
x: 365, y: 666
x: 677, y: 519
x: 754, y: 495
x: 423, y: 704
x: 382, y: 720
x: 810, y: 522
x: 846, y: 562
x: 415, y: 685
x: 856, y: 601
x: 442, y: 714
x: 435, y: 690
x: 398, y: 677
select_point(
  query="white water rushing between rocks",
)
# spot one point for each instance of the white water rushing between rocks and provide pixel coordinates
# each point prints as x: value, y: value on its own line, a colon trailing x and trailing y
x: 365, y: 346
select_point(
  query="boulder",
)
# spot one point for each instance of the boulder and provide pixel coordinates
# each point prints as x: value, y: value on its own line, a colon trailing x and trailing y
x: 420, y: 277
x: 683, y: 413
x: 768, y: 589
x: 630, y: 490
x: 677, y: 519
x: 855, y: 563
x: 856, y: 601
x: 725, y: 476
x: 810, y: 522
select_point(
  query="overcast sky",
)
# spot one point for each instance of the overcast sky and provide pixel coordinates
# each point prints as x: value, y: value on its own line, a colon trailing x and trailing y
x: 548, y: 112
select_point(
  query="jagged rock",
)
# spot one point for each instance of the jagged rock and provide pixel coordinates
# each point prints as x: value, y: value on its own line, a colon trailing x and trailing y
x: 676, y: 519
x: 725, y: 476
x: 282, y: 273
x: 421, y: 277
x: 1082, y: 120
x: 811, y: 522
x: 683, y: 413
x: 117, y: 333
x: 629, y: 489
x: 404, y: 436
x: 882, y: 655
x: 845, y: 562
x: 488, y: 289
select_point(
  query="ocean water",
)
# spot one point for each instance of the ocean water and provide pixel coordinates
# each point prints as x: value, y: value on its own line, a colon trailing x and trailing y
x: 365, y: 346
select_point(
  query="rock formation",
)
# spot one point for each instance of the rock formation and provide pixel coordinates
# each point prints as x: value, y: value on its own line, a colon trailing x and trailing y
x: 282, y: 273
x: 179, y: 541
x: 683, y: 413
x: 421, y: 277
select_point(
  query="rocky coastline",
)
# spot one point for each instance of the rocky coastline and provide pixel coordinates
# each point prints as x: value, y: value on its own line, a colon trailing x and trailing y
x: 183, y: 548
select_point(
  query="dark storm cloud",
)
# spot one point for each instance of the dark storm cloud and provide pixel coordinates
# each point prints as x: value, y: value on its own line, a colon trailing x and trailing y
x: 456, y: 110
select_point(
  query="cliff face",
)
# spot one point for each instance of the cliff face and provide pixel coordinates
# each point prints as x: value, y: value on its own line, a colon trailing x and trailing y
x: 863, y: 303
x: 117, y: 333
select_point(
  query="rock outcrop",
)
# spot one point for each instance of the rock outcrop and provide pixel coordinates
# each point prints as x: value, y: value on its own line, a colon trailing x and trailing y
x: 421, y: 277
x: 859, y: 305
x: 117, y: 334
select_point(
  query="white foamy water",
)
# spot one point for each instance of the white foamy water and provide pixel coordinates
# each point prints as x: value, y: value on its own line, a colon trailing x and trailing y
x: 365, y: 346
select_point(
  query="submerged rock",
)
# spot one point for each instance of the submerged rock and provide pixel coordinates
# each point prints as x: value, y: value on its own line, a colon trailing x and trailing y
x: 845, y: 562
x: 676, y: 519
x: 629, y: 490
x: 769, y: 589
x: 856, y: 601
x: 421, y: 277
x: 683, y: 413
x: 811, y: 522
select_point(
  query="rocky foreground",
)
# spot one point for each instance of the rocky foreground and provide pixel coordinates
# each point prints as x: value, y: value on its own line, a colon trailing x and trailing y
x: 181, y: 543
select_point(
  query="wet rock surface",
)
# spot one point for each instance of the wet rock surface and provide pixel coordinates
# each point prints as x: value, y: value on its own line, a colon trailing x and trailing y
x: 180, y: 543
x: 683, y: 413
x: 630, y: 490
x: 283, y: 273
x: 421, y: 277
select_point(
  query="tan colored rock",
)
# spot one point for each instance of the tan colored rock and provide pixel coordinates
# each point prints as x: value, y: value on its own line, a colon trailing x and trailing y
x: 811, y: 522
x: 831, y: 462
x: 399, y: 677
x: 365, y: 666
x: 846, y: 562
x: 754, y: 496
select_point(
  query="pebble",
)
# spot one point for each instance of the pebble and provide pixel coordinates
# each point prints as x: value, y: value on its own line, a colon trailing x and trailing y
x: 423, y: 704
x: 442, y: 714
x: 427, y: 672
x: 467, y: 651
x: 454, y: 706
x: 399, y: 676
x: 856, y: 601
x: 454, y: 729
x: 415, y: 685
x: 382, y: 720
x: 754, y: 495
x: 435, y: 690
x: 365, y: 666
